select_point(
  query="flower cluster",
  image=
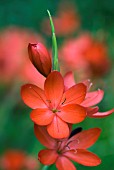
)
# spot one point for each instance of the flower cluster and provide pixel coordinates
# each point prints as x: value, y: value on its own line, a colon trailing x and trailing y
x: 56, y: 107
x: 85, y: 54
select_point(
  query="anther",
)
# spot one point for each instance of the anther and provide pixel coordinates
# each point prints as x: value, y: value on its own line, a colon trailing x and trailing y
x: 48, y: 101
x: 63, y: 101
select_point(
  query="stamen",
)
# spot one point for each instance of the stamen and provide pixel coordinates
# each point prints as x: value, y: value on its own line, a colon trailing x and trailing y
x: 59, y: 145
x: 68, y: 147
x: 63, y: 101
x: 55, y: 110
x: 78, y: 141
x: 48, y: 101
x: 75, y: 151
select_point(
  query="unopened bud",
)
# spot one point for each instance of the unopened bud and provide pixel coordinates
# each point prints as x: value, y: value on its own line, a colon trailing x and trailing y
x: 40, y: 58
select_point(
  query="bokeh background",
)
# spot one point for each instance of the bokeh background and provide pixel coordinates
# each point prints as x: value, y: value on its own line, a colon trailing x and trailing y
x: 85, y: 35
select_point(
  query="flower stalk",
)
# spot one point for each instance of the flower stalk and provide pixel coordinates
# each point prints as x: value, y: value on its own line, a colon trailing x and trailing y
x: 46, y: 167
x: 55, y: 63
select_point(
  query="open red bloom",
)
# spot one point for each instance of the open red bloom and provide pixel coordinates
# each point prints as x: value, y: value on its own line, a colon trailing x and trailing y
x: 54, y: 107
x: 85, y: 55
x: 91, y: 98
x: 73, y: 148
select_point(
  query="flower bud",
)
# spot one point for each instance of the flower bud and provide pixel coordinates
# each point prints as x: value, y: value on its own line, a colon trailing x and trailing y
x: 40, y: 58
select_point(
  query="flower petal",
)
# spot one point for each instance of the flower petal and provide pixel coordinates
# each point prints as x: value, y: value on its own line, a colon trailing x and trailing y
x: 54, y: 87
x: 47, y: 156
x: 91, y: 111
x: 83, y: 157
x: 69, y: 80
x: 101, y: 114
x: 72, y: 113
x: 64, y: 163
x: 74, y: 95
x: 42, y: 116
x: 84, y: 139
x: 44, y: 138
x: 58, y: 128
x: 93, y: 98
x: 33, y: 96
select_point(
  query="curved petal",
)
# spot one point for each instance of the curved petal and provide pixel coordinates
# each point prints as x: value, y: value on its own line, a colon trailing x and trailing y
x: 74, y: 95
x: 58, y: 128
x: 69, y: 80
x: 92, y: 111
x: 33, y: 96
x: 42, y: 116
x: 93, y: 98
x: 43, y: 137
x: 83, y: 157
x: 101, y: 114
x: 72, y: 113
x: 64, y: 163
x: 84, y: 139
x: 47, y: 156
x: 54, y: 87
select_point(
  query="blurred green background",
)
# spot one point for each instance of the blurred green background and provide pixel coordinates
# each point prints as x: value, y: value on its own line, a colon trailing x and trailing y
x: 16, y: 128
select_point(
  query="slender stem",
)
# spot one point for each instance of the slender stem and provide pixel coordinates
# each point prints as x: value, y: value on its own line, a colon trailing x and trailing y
x: 54, y: 45
x: 45, y: 167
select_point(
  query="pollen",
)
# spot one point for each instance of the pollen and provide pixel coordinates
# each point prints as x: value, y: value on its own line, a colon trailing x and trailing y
x: 54, y: 110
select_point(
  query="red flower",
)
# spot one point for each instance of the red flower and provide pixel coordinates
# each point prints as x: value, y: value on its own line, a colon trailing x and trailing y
x: 73, y: 148
x: 14, y: 62
x: 17, y: 160
x: 54, y: 107
x: 97, y: 57
x: 67, y: 16
x: 40, y: 58
x: 85, y: 55
x: 91, y: 98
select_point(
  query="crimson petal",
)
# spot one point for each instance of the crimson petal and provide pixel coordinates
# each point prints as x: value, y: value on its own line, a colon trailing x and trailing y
x: 42, y: 116
x: 64, y: 163
x: 44, y: 138
x: 54, y: 87
x: 92, y: 111
x: 69, y: 80
x: 84, y: 139
x: 58, y: 128
x: 33, y: 96
x: 72, y: 113
x: 47, y: 156
x: 93, y: 98
x: 101, y: 114
x: 83, y: 157
x: 74, y: 95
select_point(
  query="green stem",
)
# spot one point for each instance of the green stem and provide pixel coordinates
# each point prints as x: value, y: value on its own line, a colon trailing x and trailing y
x: 54, y: 46
x: 45, y: 167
